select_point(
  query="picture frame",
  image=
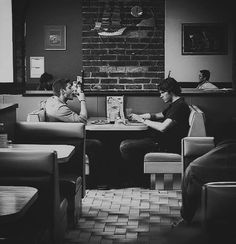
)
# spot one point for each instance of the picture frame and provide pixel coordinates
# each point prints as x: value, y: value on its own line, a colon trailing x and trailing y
x: 55, y: 37
x: 204, y: 39
x: 115, y: 107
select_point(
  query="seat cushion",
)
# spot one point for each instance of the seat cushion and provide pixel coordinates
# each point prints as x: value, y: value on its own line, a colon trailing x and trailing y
x: 162, y: 157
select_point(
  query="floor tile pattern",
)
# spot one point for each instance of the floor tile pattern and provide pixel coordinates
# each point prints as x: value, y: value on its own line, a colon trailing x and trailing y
x: 131, y: 215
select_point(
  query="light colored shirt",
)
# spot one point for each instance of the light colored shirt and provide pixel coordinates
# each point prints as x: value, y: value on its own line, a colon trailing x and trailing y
x: 56, y: 111
x: 207, y: 85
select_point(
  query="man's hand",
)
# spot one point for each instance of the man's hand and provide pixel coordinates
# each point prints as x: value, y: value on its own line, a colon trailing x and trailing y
x: 81, y: 97
x: 136, y: 117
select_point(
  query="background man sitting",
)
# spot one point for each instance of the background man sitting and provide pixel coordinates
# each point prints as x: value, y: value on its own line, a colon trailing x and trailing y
x: 204, y: 82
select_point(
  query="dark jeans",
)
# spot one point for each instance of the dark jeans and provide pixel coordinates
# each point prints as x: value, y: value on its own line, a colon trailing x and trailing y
x: 216, y: 165
x: 132, y: 152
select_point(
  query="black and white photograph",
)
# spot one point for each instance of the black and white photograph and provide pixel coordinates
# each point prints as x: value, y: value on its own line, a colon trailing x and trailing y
x: 204, y: 39
x: 117, y: 122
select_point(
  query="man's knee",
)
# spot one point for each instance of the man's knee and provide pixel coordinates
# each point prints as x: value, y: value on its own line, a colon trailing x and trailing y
x: 93, y: 144
x: 127, y: 147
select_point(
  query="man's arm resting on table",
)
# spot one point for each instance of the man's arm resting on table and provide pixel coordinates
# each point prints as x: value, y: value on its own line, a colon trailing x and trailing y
x: 148, y: 116
x: 160, y: 126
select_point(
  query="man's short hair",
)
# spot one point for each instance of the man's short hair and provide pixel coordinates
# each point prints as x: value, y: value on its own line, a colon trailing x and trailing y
x: 170, y: 85
x: 58, y: 85
x: 206, y: 73
x: 45, y: 77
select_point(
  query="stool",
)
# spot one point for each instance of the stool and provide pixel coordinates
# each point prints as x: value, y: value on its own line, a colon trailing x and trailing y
x: 163, y: 164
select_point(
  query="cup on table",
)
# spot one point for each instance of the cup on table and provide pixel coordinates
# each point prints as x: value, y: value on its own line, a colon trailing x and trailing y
x: 128, y: 112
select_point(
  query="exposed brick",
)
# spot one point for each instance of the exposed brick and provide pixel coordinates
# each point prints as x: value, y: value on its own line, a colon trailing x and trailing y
x: 123, y: 57
x: 112, y: 87
x: 150, y: 86
x: 108, y: 81
x: 125, y: 81
x: 91, y: 69
x: 142, y: 81
x: 134, y: 60
x: 136, y: 69
x: 86, y: 80
x: 135, y: 74
x: 118, y: 52
x: 133, y: 87
x: 136, y: 57
x: 108, y: 57
x: 99, y: 74
x: 117, y: 74
x: 98, y: 52
x: 94, y: 63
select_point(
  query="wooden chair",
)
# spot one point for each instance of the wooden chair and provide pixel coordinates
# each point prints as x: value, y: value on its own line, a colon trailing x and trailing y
x: 47, y: 217
x: 160, y: 165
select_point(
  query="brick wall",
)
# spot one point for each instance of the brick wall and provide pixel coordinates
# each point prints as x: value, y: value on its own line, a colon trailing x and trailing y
x: 132, y: 61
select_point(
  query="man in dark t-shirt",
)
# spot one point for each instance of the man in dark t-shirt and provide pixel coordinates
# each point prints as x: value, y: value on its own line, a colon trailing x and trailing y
x: 167, y: 128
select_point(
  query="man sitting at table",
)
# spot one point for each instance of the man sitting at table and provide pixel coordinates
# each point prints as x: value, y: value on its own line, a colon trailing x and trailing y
x: 165, y: 134
x: 56, y: 109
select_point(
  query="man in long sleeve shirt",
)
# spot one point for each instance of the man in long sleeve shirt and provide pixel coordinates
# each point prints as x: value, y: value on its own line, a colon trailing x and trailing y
x: 57, y: 110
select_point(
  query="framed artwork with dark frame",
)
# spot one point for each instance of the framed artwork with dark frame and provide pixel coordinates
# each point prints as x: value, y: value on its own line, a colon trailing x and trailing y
x: 204, y: 39
x: 55, y: 37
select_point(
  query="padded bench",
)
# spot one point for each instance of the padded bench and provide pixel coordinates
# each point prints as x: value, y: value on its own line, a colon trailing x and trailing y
x: 71, y: 175
x: 163, y: 167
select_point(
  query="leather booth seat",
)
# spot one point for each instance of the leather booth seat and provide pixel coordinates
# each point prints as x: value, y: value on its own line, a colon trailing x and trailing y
x: 218, y: 206
x: 46, y: 220
x: 159, y: 164
x: 72, y: 173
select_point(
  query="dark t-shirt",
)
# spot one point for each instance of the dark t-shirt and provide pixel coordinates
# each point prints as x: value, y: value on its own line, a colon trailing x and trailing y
x: 178, y: 112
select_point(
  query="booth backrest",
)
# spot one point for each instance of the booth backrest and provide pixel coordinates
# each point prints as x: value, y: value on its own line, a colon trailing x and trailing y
x: 38, y: 169
x: 37, y: 130
x: 196, y: 122
x: 194, y: 147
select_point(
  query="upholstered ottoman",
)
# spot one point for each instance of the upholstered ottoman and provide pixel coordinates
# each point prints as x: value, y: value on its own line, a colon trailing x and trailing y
x: 162, y: 166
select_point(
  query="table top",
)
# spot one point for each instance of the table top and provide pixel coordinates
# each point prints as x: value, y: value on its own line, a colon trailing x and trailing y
x: 100, y: 124
x: 15, y: 201
x: 64, y: 152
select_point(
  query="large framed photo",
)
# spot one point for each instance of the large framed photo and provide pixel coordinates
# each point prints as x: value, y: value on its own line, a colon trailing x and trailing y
x: 115, y: 107
x: 55, y: 37
x: 204, y: 39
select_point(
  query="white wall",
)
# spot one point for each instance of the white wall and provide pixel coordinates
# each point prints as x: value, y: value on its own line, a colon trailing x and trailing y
x: 6, y: 46
x: 185, y: 68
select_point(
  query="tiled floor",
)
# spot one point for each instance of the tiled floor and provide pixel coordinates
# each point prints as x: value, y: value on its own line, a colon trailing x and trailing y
x: 131, y: 215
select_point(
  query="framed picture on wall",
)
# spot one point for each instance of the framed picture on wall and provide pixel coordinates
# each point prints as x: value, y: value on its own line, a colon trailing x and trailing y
x: 204, y: 39
x: 55, y: 37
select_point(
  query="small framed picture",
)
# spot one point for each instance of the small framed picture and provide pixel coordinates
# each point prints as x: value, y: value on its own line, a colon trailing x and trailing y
x: 204, y: 39
x: 55, y: 37
x: 115, y: 107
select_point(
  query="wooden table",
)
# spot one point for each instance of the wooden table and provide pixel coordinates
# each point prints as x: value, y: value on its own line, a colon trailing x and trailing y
x: 64, y: 152
x: 15, y: 201
x: 111, y: 136
x: 100, y: 126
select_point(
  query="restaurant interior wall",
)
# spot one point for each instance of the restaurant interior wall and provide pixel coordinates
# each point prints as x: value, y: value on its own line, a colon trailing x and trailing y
x: 186, y: 68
